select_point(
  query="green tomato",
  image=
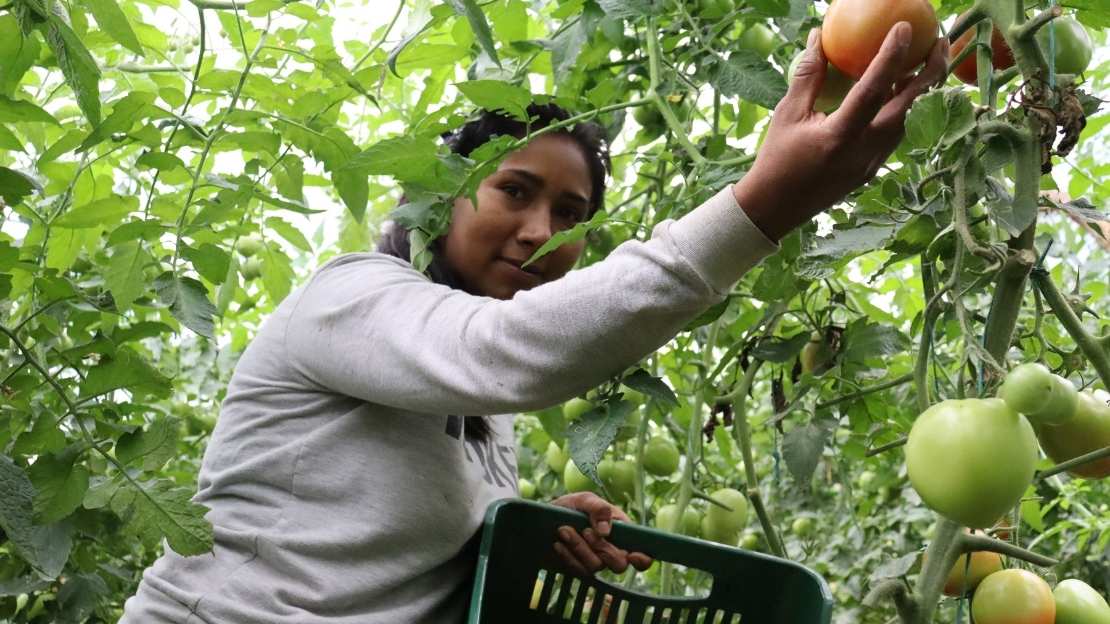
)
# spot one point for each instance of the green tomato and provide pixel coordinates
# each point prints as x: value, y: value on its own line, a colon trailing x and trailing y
x: 527, y: 488
x: 1073, y: 45
x: 248, y: 246
x: 1079, y: 603
x: 1043, y: 397
x: 619, y: 477
x: 251, y: 268
x: 759, y: 39
x: 1088, y: 431
x: 1013, y: 597
x: 802, y: 527
x: 724, y: 520
x: 575, y: 408
x: 833, y: 91
x: 635, y: 397
x: 971, y: 460
x: 575, y: 481
x: 660, y: 457
x: 714, y: 9
x: 555, y: 458
x: 751, y: 541
x: 865, y: 480
x: 667, y: 519
x: 714, y: 532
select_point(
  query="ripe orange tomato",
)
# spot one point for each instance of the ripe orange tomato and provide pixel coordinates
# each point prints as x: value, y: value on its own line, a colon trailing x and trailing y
x: 1013, y: 596
x: 1002, y: 56
x: 854, y: 30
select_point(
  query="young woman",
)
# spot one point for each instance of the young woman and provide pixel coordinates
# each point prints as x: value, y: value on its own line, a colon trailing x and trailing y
x: 366, y: 427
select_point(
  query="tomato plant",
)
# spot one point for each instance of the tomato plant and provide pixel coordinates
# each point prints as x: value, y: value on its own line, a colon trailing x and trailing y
x: 854, y: 30
x: 971, y: 460
x: 1012, y: 597
x: 143, y: 179
x: 1040, y: 395
x: 667, y: 519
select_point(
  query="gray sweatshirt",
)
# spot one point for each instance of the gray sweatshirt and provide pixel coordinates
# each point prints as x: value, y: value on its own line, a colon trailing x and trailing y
x: 341, y: 487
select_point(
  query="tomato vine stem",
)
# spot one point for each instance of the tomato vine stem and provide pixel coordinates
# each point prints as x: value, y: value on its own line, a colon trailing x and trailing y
x: 1098, y: 355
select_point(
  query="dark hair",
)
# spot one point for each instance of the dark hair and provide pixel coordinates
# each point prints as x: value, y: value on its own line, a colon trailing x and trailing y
x: 589, y: 136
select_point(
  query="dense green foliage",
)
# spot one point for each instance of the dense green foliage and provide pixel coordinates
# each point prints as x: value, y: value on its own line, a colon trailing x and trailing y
x: 143, y: 143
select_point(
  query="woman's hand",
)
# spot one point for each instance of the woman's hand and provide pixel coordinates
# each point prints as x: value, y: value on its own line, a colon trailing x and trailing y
x: 810, y: 160
x: 586, y: 553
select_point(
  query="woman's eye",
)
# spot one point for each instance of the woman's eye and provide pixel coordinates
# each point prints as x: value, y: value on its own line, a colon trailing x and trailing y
x: 570, y: 214
x: 513, y: 191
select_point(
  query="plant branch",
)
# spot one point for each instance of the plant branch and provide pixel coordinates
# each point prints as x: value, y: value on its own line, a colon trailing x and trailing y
x: 1096, y: 354
x: 939, y: 559
x: 887, y: 447
x: 976, y: 543
x: 1075, y: 462
x: 1026, y: 31
x: 896, y: 590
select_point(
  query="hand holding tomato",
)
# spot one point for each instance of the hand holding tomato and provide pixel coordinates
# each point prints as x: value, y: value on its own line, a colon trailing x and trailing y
x: 586, y: 553
x: 811, y: 160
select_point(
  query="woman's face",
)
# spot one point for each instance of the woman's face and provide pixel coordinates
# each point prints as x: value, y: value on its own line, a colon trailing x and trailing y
x: 537, y: 191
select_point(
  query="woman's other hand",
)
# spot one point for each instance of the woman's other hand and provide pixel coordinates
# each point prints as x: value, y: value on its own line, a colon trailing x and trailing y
x: 589, y: 551
x: 810, y: 160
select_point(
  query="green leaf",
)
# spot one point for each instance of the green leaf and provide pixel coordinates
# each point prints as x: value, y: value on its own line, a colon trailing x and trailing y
x: 926, y: 120
x: 8, y: 140
x: 209, y: 260
x: 651, y: 386
x: 15, y: 185
x: 112, y: 20
x: 43, y: 437
x: 398, y: 157
x: 622, y: 9
x: 107, y: 212
x: 21, y: 111
x: 289, y: 233
x: 395, y: 53
x: 863, y: 340
x: 45, y: 548
x: 749, y: 76
x: 495, y: 95
x: 478, y: 24
x: 188, y: 302
x: 127, y: 370
x: 60, y: 484
x: 154, y: 445
x: 801, y: 449
x: 780, y: 350
x: 126, y: 111
x: 159, y: 160
x: 124, y: 275
x: 78, y: 66
x: 18, y: 51
x: 593, y: 433
x: 277, y: 273
x: 710, y: 314
x: 162, y: 509
x: 578, y: 232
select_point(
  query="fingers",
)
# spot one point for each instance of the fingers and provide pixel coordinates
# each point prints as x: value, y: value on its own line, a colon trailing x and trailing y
x: 570, y: 561
x: 894, y: 112
x: 600, y: 512
x: 614, y: 558
x: 809, y: 77
x: 580, y: 554
x: 868, y: 95
x: 640, y: 561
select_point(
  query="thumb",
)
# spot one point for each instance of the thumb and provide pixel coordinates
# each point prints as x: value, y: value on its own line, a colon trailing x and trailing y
x: 808, y: 78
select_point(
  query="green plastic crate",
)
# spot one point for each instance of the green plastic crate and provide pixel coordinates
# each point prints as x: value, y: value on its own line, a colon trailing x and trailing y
x: 747, y: 588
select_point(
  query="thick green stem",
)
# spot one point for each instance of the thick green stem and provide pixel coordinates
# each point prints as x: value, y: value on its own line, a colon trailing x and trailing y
x: 1006, y: 304
x: 939, y: 559
x: 1096, y: 354
x: 742, y: 431
x: 976, y: 543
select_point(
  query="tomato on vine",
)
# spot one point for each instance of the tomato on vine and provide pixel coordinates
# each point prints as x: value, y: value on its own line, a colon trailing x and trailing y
x: 248, y: 246
x: 1044, y: 397
x: 972, y: 459
x: 1073, y: 49
x: 759, y: 39
x: 714, y: 9
x: 1079, y: 603
x: 660, y: 457
x: 854, y: 30
x: 1002, y: 57
x: 251, y: 268
x: 1013, y: 597
x: 575, y: 481
x: 1087, y: 431
x: 667, y: 519
x: 965, y: 577
x: 555, y: 457
x: 527, y: 488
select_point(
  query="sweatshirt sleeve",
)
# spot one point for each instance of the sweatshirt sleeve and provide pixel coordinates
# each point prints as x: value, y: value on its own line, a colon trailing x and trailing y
x: 370, y: 326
